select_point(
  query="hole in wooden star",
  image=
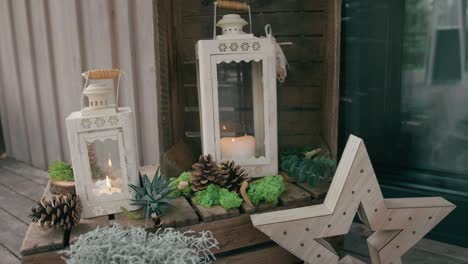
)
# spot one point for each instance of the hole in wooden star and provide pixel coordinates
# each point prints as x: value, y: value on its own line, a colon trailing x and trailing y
x: 302, y: 244
x: 411, y: 218
x: 390, y: 219
x: 318, y: 256
x: 368, y: 190
x: 329, y: 225
x: 344, y: 213
x: 352, y: 192
x: 375, y: 210
x: 430, y: 217
x: 285, y: 233
x: 414, y: 232
x: 307, y: 229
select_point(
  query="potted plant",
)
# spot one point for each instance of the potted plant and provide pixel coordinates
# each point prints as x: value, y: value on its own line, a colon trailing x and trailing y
x: 62, y: 180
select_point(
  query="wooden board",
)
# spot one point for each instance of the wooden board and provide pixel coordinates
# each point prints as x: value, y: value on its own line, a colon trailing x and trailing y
x: 39, y: 240
x: 87, y: 225
x: 232, y: 233
x: 294, y: 197
x: 52, y: 257
x: 271, y: 254
x: 214, y: 213
x: 262, y: 207
x: 23, y: 186
x: 7, y: 257
x: 12, y: 232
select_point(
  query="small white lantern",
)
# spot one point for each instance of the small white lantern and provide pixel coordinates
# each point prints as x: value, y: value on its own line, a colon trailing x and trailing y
x: 103, y: 149
x: 237, y: 97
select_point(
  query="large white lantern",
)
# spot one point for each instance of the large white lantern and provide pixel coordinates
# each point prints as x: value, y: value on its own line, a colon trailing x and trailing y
x: 237, y: 97
x: 103, y: 148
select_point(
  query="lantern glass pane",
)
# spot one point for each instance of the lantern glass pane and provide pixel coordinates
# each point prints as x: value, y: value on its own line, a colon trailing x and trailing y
x: 241, y: 110
x: 104, y: 162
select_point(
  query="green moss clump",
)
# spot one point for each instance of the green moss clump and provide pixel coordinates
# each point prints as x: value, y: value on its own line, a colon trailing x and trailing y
x: 61, y: 171
x: 215, y: 195
x: 267, y: 189
x: 229, y: 199
x: 187, y: 191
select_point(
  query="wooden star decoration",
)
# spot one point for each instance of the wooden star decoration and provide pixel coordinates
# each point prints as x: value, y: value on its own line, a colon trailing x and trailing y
x: 398, y: 224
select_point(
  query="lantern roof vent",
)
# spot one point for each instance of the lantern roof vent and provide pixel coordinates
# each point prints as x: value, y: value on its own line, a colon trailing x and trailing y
x: 231, y: 26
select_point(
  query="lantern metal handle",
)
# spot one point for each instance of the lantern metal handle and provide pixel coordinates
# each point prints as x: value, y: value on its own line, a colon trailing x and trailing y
x: 232, y: 5
x: 102, y: 74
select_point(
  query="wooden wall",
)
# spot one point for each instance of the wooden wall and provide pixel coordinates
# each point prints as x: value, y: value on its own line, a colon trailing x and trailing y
x: 46, y: 44
x: 301, y: 97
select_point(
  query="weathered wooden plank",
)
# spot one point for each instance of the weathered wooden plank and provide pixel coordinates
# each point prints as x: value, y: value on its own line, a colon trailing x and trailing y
x: 21, y: 185
x: 87, y: 225
x: 294, y: 196
x: 233, y: 233
x: 318, y: 192
x: 39, y: 240
x: 12, y: 231
x: 8, y: 257
x: 145, y: 76
x: 15, y: 204
x: 18, y: 146
x: 329, y: 124
x: 43, y: 53
x: 262, y: 207
x: 52, y: 257
x: 272, y: 254
x: 305, y: 23
x: 214, y: 213
x: 192, y: 8
x: 19, y: 168
x: 27, y: 82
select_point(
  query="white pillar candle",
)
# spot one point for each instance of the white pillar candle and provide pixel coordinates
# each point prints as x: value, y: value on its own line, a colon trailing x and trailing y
x: 237, y: 148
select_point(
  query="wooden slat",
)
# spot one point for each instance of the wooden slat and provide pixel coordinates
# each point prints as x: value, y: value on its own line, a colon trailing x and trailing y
x: 145, y: 75
x: 262, y: 207
x: 67, y: 62
x: 15, y: 204
x: 39, y: 240
x: 305, y: 23
x: 272, y: 254
x: 294, y: 196
x: 52, y: 257
x: 19, y: 168
x: 214, y: 213
x: 206, y: 7
x: 8, y: 257
x: 27, y: 81
x: 329, y: 124
x: 87, y: 225
x: 15, y: 121
x: 40, y: 36
x: 233, y: 233
x: 21, y: 185
x: 12, y: 232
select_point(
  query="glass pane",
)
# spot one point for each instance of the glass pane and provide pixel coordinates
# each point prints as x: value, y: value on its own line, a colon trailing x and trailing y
x: 434, y: 116
x: 104, y: 161
x: 241, y: 117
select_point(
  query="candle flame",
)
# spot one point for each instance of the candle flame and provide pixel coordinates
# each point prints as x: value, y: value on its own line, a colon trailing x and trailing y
x: 109, y: 162
x: 233, y: 140
x: 108, y: 184
x: 224, y: 127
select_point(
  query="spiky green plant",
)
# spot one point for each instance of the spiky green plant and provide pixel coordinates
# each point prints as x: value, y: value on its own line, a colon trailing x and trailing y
x: 153, y: 195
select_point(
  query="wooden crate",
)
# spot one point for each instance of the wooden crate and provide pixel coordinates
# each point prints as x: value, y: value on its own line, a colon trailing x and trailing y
x: 307, y: 101
x: 239, y: 241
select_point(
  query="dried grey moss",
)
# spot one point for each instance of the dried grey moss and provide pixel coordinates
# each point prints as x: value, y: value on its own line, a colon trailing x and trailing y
x: 118, y: 245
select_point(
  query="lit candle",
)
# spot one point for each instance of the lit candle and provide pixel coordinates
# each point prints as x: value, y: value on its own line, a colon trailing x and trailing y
x: 102, y: 187
x: 237, y: 148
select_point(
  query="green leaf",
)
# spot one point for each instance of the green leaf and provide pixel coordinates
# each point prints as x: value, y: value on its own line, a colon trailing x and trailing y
x: 130, y: 215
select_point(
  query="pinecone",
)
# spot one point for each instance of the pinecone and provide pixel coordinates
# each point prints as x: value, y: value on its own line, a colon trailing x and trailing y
x: 205, y: 172
x: 57, y: 211
x: 237, y: 175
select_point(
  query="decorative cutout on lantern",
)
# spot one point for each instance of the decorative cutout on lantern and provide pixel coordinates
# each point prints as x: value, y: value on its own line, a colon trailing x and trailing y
x: 237, y: 95
x: 103, y: 148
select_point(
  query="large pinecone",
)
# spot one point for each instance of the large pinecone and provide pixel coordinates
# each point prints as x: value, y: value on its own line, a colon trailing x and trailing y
x: 57, y: 211
x: 237, y: 175
x: 205, y: 172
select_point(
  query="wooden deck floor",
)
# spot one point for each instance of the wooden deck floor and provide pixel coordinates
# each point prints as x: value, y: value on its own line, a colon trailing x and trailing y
x: 21, y: 186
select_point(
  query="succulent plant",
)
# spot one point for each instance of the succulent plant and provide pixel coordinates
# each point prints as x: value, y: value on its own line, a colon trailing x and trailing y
x: 153, y: 195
